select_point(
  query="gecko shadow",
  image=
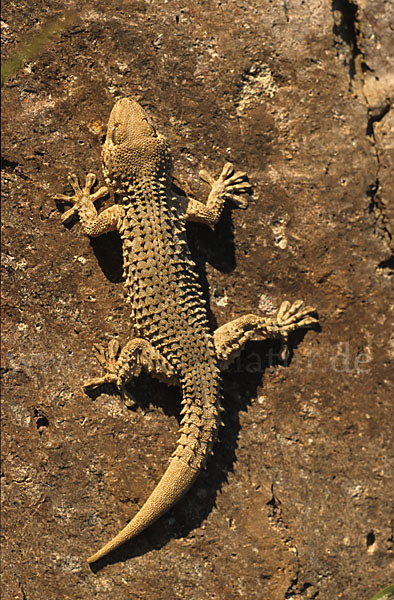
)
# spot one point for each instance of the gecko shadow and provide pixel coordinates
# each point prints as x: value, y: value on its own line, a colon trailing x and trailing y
x: 215, y: 247
x: 240, y: 384
x: 108, y: 252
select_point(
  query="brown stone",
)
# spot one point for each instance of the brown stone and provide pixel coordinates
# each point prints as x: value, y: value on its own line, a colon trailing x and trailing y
x: 296, y: 501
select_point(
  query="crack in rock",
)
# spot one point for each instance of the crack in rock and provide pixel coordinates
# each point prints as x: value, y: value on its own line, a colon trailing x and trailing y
x: 347, y: 42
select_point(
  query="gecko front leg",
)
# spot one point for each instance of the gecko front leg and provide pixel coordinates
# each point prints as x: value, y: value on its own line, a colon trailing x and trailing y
x: 83, y: 200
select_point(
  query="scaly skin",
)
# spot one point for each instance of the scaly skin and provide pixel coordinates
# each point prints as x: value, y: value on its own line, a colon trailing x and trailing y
x: 167, y: 308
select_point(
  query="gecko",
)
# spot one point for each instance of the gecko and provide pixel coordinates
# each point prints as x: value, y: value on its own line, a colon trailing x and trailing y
x: 168, y: 311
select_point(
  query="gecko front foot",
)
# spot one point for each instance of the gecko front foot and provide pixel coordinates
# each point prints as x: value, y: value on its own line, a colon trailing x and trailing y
x: 81, y: 195
x: 228, y: 185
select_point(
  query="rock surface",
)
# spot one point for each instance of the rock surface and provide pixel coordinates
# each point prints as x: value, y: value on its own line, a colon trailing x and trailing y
x: 296, y: 502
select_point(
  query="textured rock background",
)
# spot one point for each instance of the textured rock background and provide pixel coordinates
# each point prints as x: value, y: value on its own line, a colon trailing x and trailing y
x: 296, y: 502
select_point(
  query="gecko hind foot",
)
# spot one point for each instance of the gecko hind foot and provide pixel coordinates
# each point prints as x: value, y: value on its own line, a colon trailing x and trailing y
x: 107, y: 358
x: 291, y: 317
x: 296, y: 315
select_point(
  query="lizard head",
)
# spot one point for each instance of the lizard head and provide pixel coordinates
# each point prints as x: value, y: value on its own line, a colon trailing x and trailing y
x: 133, y: 150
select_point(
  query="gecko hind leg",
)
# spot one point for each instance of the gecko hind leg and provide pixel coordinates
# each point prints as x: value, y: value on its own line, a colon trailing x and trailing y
x: 121, y: 365
x: 230, y: 338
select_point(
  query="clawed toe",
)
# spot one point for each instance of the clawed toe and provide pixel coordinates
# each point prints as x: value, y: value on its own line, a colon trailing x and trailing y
x: 207, y: 177
x: 74, y: 182
x: 93, y: 384
x: 127, y: 398
x: 227, y: 171
x: 90, y: 181
x: 100, y: 355
x: 113, y: 350
x: 63, y: 198
x: 240, y: 202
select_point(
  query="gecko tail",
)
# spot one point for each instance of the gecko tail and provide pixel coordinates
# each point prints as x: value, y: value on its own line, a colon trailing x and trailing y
x: 198, y: 431
x: 173, y: 485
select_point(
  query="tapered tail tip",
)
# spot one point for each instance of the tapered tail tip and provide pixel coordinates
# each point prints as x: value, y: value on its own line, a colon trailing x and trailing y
x: 172, y: 486
x: 94, y: 558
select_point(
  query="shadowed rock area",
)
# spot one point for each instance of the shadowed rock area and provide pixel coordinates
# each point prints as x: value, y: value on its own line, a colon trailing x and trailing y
x: 296, y: 501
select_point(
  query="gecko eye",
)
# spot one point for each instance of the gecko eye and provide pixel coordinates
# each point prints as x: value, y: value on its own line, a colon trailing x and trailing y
x: 114, y: 137
x: 149, y: 122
